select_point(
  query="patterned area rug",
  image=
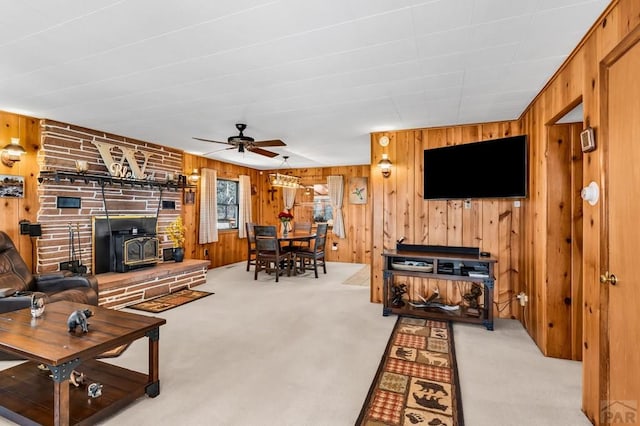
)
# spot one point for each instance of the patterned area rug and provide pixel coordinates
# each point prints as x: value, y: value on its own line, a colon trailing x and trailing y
x: 171, y: 300
x: 362, y: 277
x: 417, y: 381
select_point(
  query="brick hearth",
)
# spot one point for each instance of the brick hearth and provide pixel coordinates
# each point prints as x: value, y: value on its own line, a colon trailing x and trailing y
x: 118, y: 290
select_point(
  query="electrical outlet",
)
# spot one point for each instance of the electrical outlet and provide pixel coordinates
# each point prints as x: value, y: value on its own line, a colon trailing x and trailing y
x: 334, y: 247
x: 523, y: 298
x: 206, y: 252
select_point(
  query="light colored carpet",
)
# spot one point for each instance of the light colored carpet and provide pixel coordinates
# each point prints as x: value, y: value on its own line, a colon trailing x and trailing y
x: 362, y: 277
x: 304, y: 351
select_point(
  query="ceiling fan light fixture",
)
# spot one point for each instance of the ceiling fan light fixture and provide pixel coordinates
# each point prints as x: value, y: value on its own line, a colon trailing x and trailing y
x: 246, y: 143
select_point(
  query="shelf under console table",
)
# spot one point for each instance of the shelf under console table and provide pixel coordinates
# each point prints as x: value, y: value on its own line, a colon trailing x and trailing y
x: 438, y: 265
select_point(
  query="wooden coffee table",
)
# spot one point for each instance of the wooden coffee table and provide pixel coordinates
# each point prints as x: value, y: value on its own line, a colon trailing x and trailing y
x: 29, y: 395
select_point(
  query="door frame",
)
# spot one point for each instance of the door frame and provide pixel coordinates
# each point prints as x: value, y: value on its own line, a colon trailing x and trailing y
x: 605, y: 64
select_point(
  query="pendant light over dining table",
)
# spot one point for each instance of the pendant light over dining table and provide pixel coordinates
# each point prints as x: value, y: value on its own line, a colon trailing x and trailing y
x: 284, y: 180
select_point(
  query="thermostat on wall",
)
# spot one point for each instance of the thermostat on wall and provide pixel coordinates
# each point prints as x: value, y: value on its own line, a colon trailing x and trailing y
x: 587, y: 140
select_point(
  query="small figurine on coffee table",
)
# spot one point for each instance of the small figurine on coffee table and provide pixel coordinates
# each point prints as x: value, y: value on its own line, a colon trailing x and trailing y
x: 79, y: 318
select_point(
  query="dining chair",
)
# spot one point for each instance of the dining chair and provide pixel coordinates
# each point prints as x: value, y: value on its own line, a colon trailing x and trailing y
x: 313, y: 255
x: 322, y: 228
x: 251, y: 244
x: 269, y: 257
x: 300, y: 228
x: 265, y: 230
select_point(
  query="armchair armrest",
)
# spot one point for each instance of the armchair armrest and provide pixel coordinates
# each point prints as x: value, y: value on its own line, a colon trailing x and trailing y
x: 52, y: 276
x: 54, y: 284
x: 12, y: 303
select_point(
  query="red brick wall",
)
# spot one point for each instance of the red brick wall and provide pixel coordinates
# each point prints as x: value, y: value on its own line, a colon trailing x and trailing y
x: 61, y: 145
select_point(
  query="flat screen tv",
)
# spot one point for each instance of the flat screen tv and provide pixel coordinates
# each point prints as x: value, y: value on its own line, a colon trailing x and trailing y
x: 495, y: 168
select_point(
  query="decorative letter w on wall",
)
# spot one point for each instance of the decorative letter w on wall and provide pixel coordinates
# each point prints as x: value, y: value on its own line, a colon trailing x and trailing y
x: 118, y: 168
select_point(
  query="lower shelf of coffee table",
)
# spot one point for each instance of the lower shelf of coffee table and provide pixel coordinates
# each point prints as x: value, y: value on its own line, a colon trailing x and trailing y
x: 26, y: 393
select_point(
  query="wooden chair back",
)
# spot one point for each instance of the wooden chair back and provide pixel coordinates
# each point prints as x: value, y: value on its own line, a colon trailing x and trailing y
x: 302, y: 227
x: 251, y: 244
x: 321, y: 229
x: 265, y: 230
x: 265, y: 243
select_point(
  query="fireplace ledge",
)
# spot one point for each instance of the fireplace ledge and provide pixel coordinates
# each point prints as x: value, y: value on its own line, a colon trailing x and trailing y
x: 120, y: 289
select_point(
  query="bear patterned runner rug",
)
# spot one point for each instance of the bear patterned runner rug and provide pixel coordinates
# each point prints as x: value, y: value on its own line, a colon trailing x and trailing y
x: 171, y: 300
x: 417, y: 381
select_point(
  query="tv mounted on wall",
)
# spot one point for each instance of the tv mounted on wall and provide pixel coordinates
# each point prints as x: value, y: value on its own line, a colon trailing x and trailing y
x: 495, y: 168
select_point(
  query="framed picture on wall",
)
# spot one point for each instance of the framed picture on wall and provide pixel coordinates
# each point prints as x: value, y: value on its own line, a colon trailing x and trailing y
x: 11, y: 186
x: 189, y: 197
x: 358, y: 190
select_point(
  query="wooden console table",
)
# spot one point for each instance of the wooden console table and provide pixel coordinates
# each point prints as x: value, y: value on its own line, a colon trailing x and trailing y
x: 30, y: 396
x: 439, y: 266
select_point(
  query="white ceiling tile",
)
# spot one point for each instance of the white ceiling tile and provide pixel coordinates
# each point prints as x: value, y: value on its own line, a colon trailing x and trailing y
x: 440, y: 16
x: 444, y: 43
x: 496, y: 10
x: 165, y: 72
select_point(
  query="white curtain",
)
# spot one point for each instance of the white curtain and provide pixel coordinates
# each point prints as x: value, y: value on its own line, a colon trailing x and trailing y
x: 336, y: 190
x: 208, y: 207
x: 289, y: 199
x: 244, y: 201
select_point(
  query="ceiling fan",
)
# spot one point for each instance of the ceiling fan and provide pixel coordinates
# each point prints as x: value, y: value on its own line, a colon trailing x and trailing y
x: 243, y: 143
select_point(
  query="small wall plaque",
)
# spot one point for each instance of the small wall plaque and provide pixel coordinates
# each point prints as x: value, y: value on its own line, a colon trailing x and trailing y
x: 68, y: 202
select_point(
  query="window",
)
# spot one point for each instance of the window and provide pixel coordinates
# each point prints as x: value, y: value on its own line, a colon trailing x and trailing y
x: 322, y: 211
x: 227, y: 193
x: 313, y: 205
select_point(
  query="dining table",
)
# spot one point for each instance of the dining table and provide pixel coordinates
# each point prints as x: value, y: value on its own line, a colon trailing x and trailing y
x: 292, y: 236
x: 286, y: 242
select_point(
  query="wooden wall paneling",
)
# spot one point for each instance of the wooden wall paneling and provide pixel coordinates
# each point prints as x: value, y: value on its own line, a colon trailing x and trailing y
x: 577, y: 299
x: 591, y: 360
x: 229, y: 248
x: 420, y: 227
x: 25, y: 208
x: 437, y: 212
x: 504, y: 291
x: 357, y: 217
x: 536, y: 262
x: 581, y: 68
x: 190, y: 214
x: 437, y: 209
x: 515, y: 239
x: 404, y: 151
x: 491, y: 241
x: 377, y: 217
x: 454, y: 238
x: 558, y: 282
x: 446, y: 222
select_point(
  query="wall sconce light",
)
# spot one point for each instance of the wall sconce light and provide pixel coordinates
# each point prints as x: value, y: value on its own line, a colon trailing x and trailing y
x: 12, y: 152
x: 385, y: 165
x: 194, y: 177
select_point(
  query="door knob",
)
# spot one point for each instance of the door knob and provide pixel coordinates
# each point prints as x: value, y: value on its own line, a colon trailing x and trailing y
x: 608, y: 278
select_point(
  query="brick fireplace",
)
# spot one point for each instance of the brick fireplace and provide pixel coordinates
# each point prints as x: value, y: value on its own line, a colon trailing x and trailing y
x: 63, y: 144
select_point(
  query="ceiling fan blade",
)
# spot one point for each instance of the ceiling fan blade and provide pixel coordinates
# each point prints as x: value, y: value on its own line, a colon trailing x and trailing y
x: 218, y: 150
x: 209, y: 140
x: 273, y: 142
x: 260, y: 151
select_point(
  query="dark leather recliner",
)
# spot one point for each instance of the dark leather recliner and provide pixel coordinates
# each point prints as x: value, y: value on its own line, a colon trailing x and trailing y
x: 63, y: 285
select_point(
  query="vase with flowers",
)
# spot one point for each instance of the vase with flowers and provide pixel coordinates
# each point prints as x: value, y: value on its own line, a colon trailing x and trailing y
x: 175, y: 232
x: 285, y: 217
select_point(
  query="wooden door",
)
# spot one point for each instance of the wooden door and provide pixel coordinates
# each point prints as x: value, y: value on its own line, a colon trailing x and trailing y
x: 622, y: 198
